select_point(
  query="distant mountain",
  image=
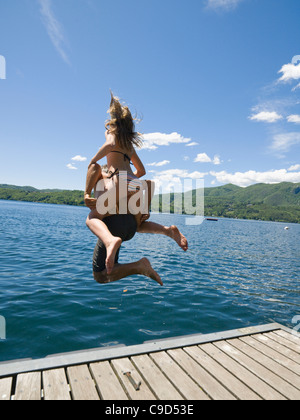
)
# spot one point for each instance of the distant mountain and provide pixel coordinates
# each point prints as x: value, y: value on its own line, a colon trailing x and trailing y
x: 28, y: 189
x: 271, y: 194
x: 13, y: 192
x: 15, y: 187
x: 272, y: 202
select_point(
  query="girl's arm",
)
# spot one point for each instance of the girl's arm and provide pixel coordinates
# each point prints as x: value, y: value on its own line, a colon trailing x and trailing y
x: 140, y: 168
x: 94, y: 171
x: 105, y: 149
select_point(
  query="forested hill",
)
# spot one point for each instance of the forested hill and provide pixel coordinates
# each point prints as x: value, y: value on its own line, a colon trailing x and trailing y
x: 276, y: 202
x: 13, y: 192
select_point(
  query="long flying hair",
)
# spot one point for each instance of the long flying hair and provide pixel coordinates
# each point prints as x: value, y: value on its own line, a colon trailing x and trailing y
x: 122, y: 125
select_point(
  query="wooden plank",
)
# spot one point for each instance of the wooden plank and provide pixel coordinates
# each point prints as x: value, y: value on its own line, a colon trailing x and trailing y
x: 278, y: 347
x: 188, y: 388
x: 252, y: 381
x: 159, y: 384
x: 295, y: 338
x: 263, y: 347
x: 269, y: 356
x: 287, y: 343
x: 28, y: 387
x: 238, y: 388
x: 267, y: 383
x: 286, y: 374
x: 107, y: 382
x: 96, y: 355
x: 208, y: 383
x: 55, y: 385
x: 124, y: 365
x: 5, y: 389
x: 82, y: 384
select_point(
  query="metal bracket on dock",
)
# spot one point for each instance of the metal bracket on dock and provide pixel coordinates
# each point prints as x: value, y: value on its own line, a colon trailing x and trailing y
x: 136, y: 386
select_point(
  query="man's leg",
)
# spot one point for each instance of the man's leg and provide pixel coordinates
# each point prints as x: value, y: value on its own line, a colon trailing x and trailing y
x: 120, y: 271
x: 172, y: 232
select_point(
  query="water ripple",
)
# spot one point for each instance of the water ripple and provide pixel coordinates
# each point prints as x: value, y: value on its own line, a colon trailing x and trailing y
x: 236, y: 273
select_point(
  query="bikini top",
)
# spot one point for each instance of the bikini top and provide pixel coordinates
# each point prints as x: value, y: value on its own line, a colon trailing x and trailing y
x: 126, y: 157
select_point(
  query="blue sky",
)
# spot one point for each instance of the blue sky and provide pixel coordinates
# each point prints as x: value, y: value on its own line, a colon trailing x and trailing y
x: 216, y: 83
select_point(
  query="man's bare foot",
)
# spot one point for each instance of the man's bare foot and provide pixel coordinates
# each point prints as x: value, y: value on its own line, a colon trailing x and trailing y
x: 178, y: 237
x: 111, y: 251
x: 148, y: 271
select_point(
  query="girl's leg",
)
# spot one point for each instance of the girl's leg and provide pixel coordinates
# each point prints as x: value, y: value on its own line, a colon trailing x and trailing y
x: 93, y: 176
x: 94, y: 221
x: 111, y: 243
x: 172, y: 232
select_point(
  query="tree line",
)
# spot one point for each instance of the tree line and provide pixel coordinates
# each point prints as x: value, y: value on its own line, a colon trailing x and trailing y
x: 279, y: 203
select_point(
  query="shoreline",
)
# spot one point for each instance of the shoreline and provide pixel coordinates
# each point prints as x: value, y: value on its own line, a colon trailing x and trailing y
x: 267, y: 202
x: 156, y: 213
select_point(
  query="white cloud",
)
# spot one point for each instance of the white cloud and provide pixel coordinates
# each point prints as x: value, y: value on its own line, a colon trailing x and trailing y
x: 171, y: 174
x: 265, y: 116
x: 290, y: 72
x: 283, y: 142
x: 204, y: 158
x: 178, y: 179
x: 153, y: 140
x: 296, y: 59
x: 216, y: 160
x: 274, y: 110
x: 223, y: 4
x: 294, y: 168
x: 79, y: 158
x: 294, y: 119
x: 159, y: 164
x: 71, y: 167
x: 244, y: 179
x: 54, y: 28
x: 296, y: 87
x: 192, y: 144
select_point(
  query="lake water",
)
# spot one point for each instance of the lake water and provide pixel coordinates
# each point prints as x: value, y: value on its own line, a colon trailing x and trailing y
x: 236, y: 274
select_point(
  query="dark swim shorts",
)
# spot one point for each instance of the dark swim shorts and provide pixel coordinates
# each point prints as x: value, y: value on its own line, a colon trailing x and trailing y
x: 123, y: 226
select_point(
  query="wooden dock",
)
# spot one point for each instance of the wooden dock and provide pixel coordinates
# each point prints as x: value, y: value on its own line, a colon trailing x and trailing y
x: 256, y: 363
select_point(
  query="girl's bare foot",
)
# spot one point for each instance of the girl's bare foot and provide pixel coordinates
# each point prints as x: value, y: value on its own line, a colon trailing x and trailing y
x: 147, y: 270
x: 178, y: 237
x: 111, y: 251
x: 145, y: 217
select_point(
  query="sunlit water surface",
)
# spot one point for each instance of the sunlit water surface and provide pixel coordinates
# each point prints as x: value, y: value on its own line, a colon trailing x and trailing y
x: 236, y: 274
